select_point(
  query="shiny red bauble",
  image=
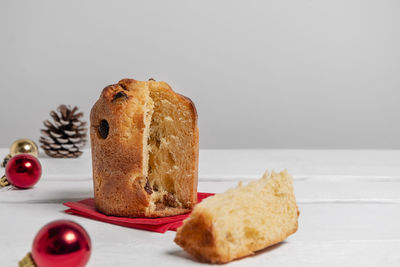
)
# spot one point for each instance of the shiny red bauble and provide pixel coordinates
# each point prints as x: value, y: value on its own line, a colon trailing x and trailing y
x: 61, y: 243
x: 23, y: 170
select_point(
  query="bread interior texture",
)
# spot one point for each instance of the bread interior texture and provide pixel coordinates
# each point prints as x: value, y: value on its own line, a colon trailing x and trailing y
x: 273, y: 212
x: 169, y: 149
x: 242, y: 220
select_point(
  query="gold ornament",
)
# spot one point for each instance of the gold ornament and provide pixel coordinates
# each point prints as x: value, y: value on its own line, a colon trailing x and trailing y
x: 24, y: 146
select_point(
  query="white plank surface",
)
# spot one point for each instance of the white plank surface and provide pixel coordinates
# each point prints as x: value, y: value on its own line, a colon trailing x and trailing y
x: 349, y: 203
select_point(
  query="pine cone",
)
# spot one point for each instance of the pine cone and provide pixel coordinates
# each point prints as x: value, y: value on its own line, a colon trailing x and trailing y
x: 66, y: 136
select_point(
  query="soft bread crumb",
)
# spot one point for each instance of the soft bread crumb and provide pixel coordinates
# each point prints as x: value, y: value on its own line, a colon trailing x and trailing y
x: 170, y: 147
x: 242, y: 220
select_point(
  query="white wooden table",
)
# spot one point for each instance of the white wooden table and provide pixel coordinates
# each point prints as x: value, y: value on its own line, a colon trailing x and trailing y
x: 349, y: 202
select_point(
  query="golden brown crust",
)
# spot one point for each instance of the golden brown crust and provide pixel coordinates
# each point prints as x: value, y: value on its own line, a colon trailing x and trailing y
x: 202, y: 242
x: 195, y: 156
x: 118, y: 159
x: 119, y: 156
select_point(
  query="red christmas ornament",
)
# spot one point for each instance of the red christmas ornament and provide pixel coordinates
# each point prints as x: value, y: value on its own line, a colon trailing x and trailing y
x: 23, y: 170
x: 61, y: 243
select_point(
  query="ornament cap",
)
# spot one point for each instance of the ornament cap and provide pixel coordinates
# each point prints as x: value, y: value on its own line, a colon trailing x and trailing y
x: 4, y: 182
x: 5, y: 160
x: 27, y: 261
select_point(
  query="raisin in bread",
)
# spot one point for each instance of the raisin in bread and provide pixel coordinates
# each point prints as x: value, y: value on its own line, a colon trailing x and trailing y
x: 242, y: 220
x: 144, y: 140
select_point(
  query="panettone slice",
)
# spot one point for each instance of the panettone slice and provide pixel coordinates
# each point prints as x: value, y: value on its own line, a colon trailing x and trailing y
x: 242, y: 220
x: 144, y: 140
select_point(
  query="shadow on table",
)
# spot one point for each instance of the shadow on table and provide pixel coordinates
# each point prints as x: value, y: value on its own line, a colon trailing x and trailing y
x: 180, y: 253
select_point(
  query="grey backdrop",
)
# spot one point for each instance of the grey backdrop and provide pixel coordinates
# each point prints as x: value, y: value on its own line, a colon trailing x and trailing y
x: 263, y: 74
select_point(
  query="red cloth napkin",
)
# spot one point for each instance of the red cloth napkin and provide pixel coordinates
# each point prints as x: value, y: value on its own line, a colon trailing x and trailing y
x: 86, y: 208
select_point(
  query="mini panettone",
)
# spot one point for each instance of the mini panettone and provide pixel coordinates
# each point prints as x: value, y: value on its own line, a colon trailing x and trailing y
x: 144, y: 140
